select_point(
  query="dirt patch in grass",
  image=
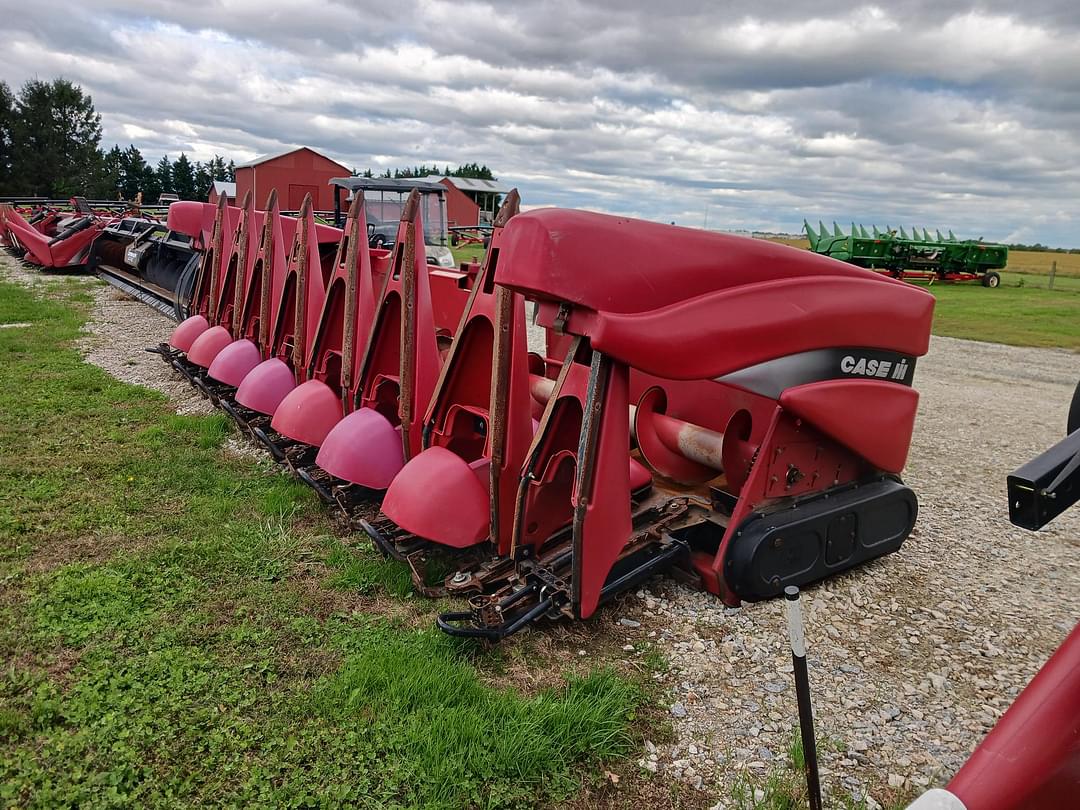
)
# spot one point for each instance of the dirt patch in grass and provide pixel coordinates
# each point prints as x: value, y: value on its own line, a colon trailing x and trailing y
x: 88, y: 548
x: 313, y: 584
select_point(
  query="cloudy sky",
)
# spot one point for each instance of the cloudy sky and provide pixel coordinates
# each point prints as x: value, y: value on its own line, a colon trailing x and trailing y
x: 732, y: 115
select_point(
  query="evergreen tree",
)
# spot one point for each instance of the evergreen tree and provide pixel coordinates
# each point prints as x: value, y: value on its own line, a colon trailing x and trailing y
x: 218, y: 169
x: 55, y: 137
x: 474, y: 170
x: 230, y: 173
x: 203, y: 179
x: 133, y: 170
x: 7, y: 115
x: 110, y: 178
x: 163, y: 175
x: 149, y: 185
x: 183, y: 179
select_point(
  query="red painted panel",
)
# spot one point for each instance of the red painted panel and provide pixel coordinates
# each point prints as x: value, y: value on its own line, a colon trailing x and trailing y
x: 601, y: 533
x: 873, y: 418
x: 730, y: 329
x: 460, y: 209
x: 619, y: 265
x: 1031, y: 758
x: 297, y: 192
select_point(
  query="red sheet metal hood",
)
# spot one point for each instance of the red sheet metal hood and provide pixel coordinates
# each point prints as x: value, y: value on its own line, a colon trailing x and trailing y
x: 194, y: 219
x: 617, y: 264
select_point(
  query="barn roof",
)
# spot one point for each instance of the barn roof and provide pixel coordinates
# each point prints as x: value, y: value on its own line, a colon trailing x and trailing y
x: 474, y: 184
x: 274, y: 156
x: 224, y: 187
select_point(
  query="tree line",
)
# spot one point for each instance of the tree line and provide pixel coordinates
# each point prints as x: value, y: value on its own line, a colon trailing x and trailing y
x: 1038, y: 247
x: 473, y: 170
x: 50, y: 146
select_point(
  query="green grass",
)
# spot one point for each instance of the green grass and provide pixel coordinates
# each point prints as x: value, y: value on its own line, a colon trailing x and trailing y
x: 1019, y: 316
x: 468, y: 253
x: 181, y: 628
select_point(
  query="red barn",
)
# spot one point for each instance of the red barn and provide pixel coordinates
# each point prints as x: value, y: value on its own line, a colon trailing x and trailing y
x: 294, y: 174
x: 219, y: 187
x: 470, y: 201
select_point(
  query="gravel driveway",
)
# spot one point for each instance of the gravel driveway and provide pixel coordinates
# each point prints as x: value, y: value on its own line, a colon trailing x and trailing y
x: 913, y: 657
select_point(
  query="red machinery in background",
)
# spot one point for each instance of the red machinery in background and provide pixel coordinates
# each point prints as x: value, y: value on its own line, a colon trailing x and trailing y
x: 292, y: 341
x: 50, y: 238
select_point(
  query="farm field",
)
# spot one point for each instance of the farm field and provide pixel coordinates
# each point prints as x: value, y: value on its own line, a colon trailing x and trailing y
x: 1034, y: 262
x: 1021, y: 312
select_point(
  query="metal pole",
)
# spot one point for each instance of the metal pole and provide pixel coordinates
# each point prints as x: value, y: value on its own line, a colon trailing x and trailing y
x: 802, y: 693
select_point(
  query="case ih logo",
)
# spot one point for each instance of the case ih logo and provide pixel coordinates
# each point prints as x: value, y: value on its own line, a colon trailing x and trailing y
x: 873, y: 367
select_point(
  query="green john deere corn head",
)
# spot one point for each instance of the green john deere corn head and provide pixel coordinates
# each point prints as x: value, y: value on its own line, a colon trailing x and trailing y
x: 919, y: 255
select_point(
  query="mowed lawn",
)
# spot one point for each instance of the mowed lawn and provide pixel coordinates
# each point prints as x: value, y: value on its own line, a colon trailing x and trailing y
x: 1019, y: 316
x: 180, y: 627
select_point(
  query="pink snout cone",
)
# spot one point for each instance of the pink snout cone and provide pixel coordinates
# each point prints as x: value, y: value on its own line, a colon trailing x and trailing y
x: 439, y: 496
x: 308, y: 413
x: 207, y: 346
x: 363, y: 448
x: 189, y: 329
x: 235, y: 362
x: 266, y: 386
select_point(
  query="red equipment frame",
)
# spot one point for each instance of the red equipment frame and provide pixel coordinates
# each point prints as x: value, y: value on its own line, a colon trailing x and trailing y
x: 50, y: 241
x: 765, y: 452
x: 809, y: 400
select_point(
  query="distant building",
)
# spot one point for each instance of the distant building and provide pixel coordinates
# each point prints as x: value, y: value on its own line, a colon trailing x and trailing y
x: 470, y: 201
x: 220, y: 187
x: 294, y: 174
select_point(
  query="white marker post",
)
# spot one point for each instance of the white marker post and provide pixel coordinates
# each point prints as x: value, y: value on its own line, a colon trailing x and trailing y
x: 802, y: 694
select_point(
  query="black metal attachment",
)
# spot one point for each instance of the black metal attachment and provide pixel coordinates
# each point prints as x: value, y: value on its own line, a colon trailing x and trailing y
x: 1047, y: 485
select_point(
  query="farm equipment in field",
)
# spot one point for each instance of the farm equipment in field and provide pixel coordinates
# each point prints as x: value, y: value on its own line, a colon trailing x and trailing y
x: 278, y: 337
x: 919, y: 256
x: 731, y: 411
x: 764, y: 452
x: 128, y: 246
x: 49, y: 238
x: 148, y: 260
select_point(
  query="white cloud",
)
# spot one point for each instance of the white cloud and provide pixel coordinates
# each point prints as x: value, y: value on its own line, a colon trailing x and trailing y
x: 936, y: 114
